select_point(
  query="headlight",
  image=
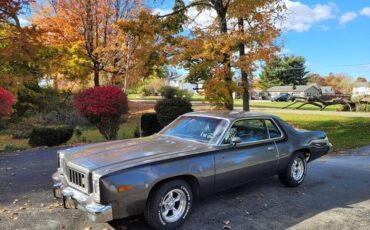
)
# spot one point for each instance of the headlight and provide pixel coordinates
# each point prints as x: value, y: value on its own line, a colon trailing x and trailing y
x: 60, y: 162
x: 96, y: 188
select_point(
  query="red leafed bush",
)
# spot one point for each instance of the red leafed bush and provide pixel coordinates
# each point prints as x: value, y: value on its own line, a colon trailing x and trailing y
x: 7, y: 100
x: 103, y: 107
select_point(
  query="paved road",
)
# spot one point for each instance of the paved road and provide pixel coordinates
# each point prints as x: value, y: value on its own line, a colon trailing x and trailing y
x: 198, y: 105
x: 335, y: 195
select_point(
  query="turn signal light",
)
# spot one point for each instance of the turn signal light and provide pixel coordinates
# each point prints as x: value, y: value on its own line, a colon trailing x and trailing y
x: 125, y: 188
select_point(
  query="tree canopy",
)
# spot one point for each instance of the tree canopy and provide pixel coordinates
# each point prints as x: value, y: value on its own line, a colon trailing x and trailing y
x: 287, y: 70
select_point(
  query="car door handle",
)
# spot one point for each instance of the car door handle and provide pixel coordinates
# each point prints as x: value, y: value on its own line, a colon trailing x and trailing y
x: 270, y: 148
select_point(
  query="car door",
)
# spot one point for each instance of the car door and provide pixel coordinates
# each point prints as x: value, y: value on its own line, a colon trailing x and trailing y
x: 255, y: 156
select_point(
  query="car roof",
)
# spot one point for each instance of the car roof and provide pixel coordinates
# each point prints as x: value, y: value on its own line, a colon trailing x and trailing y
x: 230, y: 115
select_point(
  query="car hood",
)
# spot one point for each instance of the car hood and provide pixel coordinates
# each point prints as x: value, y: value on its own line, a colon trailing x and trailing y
x: 129, y: 152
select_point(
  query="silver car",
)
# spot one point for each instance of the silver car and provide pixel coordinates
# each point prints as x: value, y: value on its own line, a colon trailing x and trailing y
x: 197, y: 154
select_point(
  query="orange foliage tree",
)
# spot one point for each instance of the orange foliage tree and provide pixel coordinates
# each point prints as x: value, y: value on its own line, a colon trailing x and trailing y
x: 88, y: 24
x: 243, y: 33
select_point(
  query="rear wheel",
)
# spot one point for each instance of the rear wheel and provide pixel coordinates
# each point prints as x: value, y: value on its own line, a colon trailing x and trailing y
x: 295, y: 173
x: 169, y: 205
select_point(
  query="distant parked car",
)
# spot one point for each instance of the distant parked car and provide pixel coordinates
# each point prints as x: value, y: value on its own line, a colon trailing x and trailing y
x: 281, y: 97
x: 199, y: 153
x: 284, y: 97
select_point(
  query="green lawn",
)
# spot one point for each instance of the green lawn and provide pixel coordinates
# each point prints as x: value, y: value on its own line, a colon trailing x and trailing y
x: 195, y: 97
x: 253, y: 103
x: 343, y: 132
x: 279, y: 105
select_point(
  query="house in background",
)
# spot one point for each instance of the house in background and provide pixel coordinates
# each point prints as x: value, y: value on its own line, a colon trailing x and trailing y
x: 299, y: 90
x: 327, y: 91
x: 179, y: 81
x: 361, y: 89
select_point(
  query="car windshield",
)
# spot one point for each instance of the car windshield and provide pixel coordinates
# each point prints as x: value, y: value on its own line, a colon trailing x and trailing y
x: 202, y: 129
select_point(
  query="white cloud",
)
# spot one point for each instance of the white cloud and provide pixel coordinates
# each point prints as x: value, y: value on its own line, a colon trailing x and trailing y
x: 302, y: 17
x: 346, y: 17
x: 24, y: 21
x: 159, y: 11
x: 202, y: 19
x: 365, y: 11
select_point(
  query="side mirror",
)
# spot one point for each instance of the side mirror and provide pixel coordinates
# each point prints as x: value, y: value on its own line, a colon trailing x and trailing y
x: 235, y: 140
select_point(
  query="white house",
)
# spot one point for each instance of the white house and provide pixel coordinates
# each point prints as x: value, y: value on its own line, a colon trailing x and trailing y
x: 179, y: 81
x: 327, y: 91
x: 299, y: 90
x: 361, y: 89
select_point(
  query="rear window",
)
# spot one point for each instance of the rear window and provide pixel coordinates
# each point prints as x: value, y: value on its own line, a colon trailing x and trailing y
x: 272, y: 129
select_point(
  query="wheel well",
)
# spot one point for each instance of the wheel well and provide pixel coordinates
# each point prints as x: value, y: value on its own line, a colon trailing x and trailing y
x: 306, y: 152
x: 191, y: 180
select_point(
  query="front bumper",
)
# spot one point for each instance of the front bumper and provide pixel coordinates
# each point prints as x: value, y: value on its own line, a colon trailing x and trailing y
x: 73, y: 198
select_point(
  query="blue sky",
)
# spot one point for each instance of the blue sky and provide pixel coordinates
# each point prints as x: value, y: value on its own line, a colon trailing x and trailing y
x: 333, y: 36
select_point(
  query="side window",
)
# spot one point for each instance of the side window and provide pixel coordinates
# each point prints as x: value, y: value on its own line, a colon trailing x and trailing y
x: 273, y: 130
x: 247, y: 130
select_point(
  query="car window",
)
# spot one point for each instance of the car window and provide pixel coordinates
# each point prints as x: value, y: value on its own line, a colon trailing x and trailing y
x: 202, y: 129
x: 273, y: 130
x: 248, y: 130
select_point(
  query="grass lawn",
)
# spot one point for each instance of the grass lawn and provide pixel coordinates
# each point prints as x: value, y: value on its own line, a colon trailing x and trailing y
x: 343, y: 132
x: 253, y: 103
x: 195, y: 97
x: 279, y: 105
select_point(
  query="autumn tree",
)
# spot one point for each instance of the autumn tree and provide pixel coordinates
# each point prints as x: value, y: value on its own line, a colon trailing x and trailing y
x: 361, y: 79
x: 89, y: 24
x: 242, y: 33
x: 315, y: 78
x: 21, y: 58
x: 340, y: 82
x: 138, y: 49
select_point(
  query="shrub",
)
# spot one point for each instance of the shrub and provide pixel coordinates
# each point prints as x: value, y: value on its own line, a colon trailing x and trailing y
x: 33, y: 99
x: 149, y: 124
x: 50, y: 136
x: 7, y: 100
x: 103, y: 107
x: 168, y: 91
x: 184, y: 94
x: 169, y: 109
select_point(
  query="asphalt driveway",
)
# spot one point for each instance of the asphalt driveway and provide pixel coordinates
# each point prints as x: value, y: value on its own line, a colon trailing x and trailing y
x: 335, y: 195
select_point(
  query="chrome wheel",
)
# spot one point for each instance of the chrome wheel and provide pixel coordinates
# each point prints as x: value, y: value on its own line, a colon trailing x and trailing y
x: 173, y: 205
x: 298, y: 168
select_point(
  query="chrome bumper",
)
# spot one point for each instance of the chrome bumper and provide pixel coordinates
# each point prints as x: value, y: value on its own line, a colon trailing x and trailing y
x: 73, y: 198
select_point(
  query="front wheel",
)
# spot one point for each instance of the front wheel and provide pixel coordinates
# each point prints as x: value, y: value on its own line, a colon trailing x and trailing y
x: 169, y: 205
x: 295, y: 173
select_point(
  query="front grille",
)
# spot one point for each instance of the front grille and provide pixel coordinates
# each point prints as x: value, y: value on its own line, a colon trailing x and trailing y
x: 78, y: 179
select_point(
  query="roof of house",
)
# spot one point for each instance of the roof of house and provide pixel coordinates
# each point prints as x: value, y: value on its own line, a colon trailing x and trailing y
x: 325, y: 88
x: 362, y: 84
x: 289, y: 88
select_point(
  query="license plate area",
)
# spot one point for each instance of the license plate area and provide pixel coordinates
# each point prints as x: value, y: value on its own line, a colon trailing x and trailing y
x: 69, y: 202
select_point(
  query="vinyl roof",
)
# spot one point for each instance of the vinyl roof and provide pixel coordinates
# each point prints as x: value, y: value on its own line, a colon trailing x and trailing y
x: 232, y: 115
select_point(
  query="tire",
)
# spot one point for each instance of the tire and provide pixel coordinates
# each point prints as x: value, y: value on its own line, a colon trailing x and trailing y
x: 295, y: 172
x: 160, y: 200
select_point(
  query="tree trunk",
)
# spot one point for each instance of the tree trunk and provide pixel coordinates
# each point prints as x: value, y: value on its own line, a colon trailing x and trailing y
x: 96, y: 74
x: 244, y: 76
x: 229, y: 102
